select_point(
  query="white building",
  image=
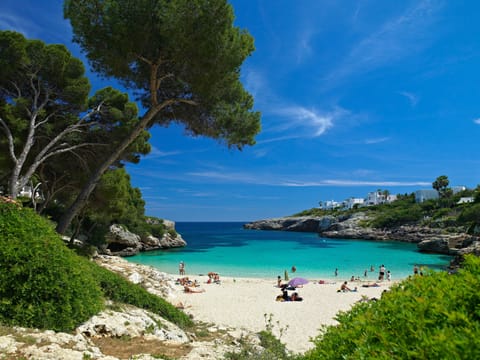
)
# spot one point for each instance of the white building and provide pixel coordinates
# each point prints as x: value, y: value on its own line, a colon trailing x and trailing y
x: 466, y: 200
x: 375, y: 198
x: 330, y: 205
x: 391, y: 198
x: 351, y: 202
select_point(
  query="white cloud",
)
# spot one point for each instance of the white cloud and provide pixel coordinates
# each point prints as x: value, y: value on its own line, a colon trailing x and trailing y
x: 304, y: 48
x: 303, y: 122
x: 411, y: 97
x: 376, y: 140
x: 399, y: 37
x: 278, y: 181
x: 157, y: 153
x: 354, y: 183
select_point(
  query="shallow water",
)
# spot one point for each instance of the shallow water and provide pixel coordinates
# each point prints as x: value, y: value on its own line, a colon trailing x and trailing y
x: 230, y: 250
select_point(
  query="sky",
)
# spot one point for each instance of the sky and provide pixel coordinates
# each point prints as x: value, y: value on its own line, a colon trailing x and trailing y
x: 355, y: 96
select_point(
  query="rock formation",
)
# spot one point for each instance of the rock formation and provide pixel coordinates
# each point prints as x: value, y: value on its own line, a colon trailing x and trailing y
x: 434, y: 240
x: 121, y: 242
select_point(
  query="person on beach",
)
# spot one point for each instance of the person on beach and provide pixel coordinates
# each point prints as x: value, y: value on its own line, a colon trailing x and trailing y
x: 279, y: 281
x: 285, y: 296
x: 296, y: 297
x: 336, y: 272
x: 345, y: 288
x: 389, y: 275
x: 181, y: 268
x: 381, y: 274
x: 371, y: 285
x: 189, y: 289
x: 294, y: 269
x: 415, y: 270
x: 365, y: 273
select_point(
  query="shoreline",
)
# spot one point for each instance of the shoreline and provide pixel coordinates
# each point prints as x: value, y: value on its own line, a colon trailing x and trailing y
x: 248, y: 303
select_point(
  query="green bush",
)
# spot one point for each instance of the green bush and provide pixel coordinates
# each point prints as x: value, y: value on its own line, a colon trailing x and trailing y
x: 426, y: 317
x: 391, y: 217
x: 43, y: 284
x: 121, y: 290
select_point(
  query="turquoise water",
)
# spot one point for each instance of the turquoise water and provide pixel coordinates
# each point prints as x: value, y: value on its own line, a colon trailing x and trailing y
x: 230, y: 250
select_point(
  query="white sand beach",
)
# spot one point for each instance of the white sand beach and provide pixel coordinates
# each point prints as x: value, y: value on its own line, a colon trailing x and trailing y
x: 243, y: 302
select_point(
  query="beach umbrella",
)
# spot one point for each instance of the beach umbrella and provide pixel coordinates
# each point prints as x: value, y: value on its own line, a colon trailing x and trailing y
x: 297, y: 281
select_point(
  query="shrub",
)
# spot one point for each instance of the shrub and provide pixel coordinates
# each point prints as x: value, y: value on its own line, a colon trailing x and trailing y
x: 121, y: 290
x: 43, y: 284
x: 426, y: 317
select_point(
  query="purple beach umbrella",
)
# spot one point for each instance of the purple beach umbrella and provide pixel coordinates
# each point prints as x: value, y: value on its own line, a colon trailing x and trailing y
x: 297, y: 281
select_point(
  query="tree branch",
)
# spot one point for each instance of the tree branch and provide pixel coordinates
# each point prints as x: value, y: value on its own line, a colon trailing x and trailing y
x: 11, y: 148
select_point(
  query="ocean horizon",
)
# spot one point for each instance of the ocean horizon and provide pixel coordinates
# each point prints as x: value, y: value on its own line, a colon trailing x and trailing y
x: 230, y: 250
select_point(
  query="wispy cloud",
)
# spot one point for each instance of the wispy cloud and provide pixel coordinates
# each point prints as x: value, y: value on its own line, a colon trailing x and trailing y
x: 399, y: 37
x: 157, y: 153
x: 278, y: 181
x: 376, y: 140
x: 299, y: 121
x: 355, y: 183
x: 477, y: 121
x: 304, y: 48
x: 411, y: 97
x: 20, y: 24
x: 42, y: 20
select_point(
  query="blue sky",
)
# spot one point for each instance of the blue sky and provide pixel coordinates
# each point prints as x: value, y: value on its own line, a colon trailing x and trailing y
x: 355, y: 96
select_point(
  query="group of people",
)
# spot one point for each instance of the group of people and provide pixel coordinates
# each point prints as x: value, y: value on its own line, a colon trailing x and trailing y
x: 285, y: 297
x: 382, y: 273
x: 417, y: 270
x: 186, y: 281
x: 213, y: 277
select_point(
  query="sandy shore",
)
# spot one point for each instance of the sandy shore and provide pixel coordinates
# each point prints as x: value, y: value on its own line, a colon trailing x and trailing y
x: 242, y: 303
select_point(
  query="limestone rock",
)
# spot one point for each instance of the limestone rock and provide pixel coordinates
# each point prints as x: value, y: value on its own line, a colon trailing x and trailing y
x: 132, y: 322
x: 122, y: 242
x: 300, y: 223
x: 437, y: 246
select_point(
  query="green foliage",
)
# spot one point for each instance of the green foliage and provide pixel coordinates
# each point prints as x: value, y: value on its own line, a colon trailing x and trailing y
x: 119, y: 289
x: 43, y: 90
x: 425, y: 317
x: 43, y: 284
x: 390, y: 216
x: 271, y: 346
x: 470, y: 215
x: 441, y: 185
x: 190, y: 49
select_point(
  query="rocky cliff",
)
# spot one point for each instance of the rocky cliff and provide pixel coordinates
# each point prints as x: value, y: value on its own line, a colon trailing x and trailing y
x: 121, y: 242
x: 353, y: 227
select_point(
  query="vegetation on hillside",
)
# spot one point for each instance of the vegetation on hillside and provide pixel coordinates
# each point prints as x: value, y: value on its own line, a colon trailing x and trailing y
x: 445, y: 212
x: 43, y: 284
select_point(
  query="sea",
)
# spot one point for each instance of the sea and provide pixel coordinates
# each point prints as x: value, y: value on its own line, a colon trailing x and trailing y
x: 230, y: 250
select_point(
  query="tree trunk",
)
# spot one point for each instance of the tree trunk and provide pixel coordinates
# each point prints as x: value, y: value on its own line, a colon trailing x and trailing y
x: 82, y: 198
